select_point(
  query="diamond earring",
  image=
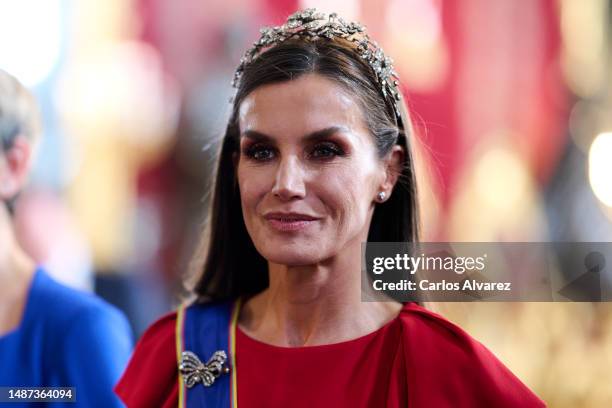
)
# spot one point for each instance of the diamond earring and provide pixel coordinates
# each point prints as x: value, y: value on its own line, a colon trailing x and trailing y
x: 381, y: 196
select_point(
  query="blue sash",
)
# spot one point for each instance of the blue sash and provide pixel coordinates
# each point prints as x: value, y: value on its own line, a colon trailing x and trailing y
x: 204, y: 329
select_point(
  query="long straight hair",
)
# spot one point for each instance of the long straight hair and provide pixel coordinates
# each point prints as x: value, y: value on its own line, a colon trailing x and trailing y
x: 226, y: 264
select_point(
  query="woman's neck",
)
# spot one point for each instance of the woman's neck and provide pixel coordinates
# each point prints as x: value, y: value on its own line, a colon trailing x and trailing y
x: 16, y: 273
x: 314, y: 305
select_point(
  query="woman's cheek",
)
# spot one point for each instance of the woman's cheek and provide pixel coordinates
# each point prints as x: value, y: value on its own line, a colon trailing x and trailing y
x: 252, y: 187
x: 341, y: 197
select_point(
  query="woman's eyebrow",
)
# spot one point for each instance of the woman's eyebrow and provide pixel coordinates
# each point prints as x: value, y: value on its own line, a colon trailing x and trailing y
x: 312, y: 136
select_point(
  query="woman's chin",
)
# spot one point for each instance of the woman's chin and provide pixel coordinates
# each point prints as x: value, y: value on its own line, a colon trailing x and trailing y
x: 292, y: 257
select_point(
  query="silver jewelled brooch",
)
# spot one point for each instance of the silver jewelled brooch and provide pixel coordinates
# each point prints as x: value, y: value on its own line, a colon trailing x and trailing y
x: 194, y: 371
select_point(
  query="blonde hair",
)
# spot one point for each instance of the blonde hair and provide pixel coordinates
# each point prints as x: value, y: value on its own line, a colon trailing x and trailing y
x: 19, y: 112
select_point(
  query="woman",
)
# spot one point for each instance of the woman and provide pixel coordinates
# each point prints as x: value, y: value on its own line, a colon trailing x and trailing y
x: 315, y: 161
x: 50, y: 335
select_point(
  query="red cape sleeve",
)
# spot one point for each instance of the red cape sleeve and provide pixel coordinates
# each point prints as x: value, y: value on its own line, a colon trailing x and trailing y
x: 448, y: 368
x: 151, y: 377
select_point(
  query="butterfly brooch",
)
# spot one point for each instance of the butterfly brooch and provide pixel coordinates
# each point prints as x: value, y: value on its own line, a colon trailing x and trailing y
x: 194, y: 371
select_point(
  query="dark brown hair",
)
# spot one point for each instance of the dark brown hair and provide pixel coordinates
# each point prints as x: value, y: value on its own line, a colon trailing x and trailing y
x: 227, y: 264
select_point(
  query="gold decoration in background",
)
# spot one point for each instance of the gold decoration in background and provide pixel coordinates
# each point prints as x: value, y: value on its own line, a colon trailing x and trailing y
x: 120, y: 112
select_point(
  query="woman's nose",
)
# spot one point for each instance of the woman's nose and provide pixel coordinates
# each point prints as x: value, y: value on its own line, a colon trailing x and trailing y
x: 289, y: 183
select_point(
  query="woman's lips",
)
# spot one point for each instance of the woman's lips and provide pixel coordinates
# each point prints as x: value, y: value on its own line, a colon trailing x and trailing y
x: 289, y: 221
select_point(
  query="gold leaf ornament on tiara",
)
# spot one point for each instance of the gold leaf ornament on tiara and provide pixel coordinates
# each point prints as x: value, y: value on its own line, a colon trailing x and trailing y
x: 312, y: 24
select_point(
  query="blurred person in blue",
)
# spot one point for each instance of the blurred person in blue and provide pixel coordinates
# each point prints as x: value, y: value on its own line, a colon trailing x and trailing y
x: 50, y: 335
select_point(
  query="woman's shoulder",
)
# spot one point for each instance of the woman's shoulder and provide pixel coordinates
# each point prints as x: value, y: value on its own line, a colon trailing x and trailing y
x: 151, y: 376
x: 160, y: 335
x: 422, y: 325
x: 75, y: 322
x: 444, y: 362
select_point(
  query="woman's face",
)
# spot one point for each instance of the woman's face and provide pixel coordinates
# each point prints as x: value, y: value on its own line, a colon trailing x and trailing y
x: 308, y: 171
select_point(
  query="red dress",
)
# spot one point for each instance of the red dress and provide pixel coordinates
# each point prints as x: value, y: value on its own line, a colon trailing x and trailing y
x: 419, y: 359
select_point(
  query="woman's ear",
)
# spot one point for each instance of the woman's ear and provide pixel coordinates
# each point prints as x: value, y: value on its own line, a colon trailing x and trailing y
x: 394, y: 164
x: 14, y: 167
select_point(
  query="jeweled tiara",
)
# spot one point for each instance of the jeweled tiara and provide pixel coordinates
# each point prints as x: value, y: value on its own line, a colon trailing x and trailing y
x: 313, y: 24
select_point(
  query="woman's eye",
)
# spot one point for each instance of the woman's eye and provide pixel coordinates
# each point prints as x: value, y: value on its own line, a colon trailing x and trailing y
x: 326, y: 150
x: 259, y: 153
